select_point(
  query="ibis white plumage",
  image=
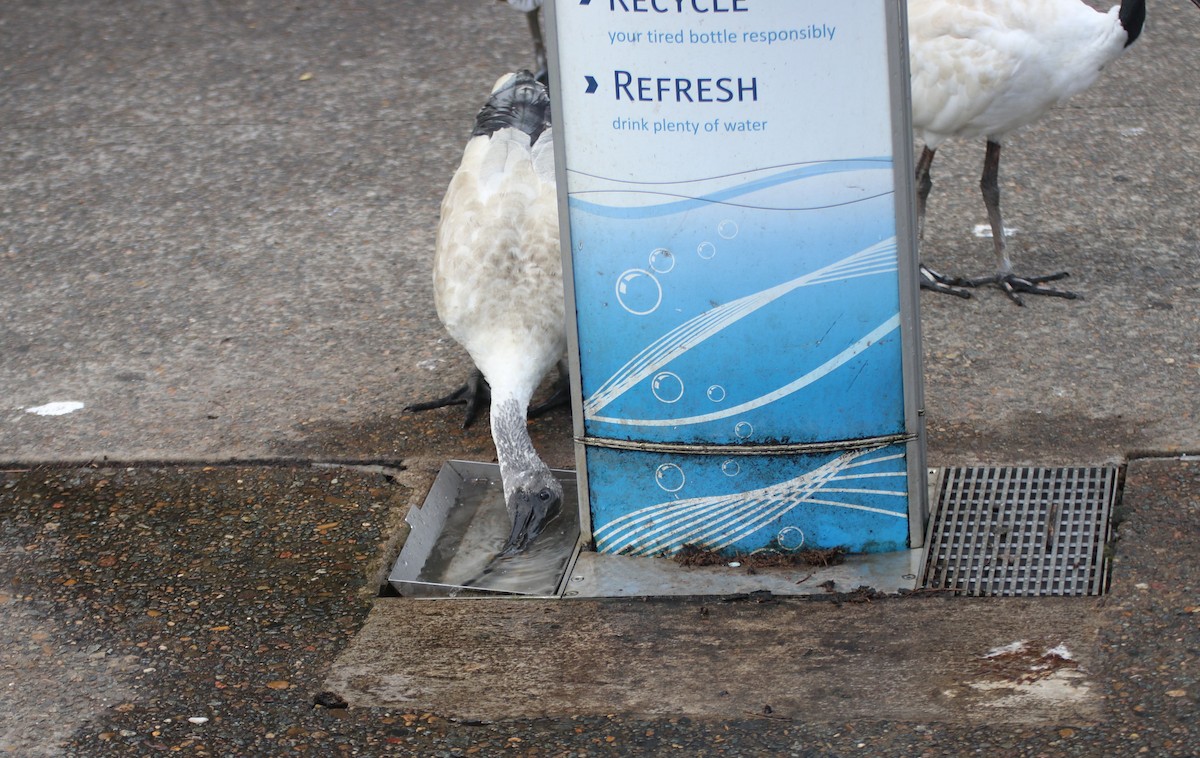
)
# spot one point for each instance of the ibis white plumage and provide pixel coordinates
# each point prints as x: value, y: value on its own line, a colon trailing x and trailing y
x: 498, y: 287
x: 983, y: 68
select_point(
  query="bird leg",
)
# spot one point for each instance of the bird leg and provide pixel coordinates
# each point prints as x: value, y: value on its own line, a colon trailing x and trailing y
x: 539, y: 46
x: 471, y: 394
x: 930, y: 279
x: 924, y: 186
x: 1004, y: 276
x: 561, y: 395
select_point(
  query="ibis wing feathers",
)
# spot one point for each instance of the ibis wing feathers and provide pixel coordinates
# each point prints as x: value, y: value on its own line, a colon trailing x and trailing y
x: 982, y: 68
x: 543, y: 157
x: 497, y: 270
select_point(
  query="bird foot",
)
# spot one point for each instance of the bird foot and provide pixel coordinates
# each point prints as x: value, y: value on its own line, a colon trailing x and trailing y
x: 472, y: 394
x: 560, y: 397
x: 1014, y: 285
x: 948, y: 285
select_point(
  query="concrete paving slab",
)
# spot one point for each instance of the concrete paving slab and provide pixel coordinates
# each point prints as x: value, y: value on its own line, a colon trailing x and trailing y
x: 212, y: 249
x: 704, y: 658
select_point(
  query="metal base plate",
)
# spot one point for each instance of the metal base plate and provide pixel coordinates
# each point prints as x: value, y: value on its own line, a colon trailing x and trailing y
x: 457, y: 531
x: 602, y: 575
x: 451, y: 550
x: 1021, y: 531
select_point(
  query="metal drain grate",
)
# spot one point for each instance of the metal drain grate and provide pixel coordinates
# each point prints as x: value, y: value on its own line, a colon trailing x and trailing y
x: 1021, y: 531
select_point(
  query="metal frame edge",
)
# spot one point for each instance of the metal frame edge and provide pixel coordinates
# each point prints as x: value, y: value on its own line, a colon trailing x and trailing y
x: 564, y: 231
x: 909, y: 265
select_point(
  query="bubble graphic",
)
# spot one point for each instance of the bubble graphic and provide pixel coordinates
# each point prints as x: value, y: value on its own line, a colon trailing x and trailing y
x: 706, y: 250
x: 670, y: 477
x: 667, y: 387
x: 790, y: 538
x: 662, y: 261
x: 639, y: 292
x: 728, y: 229
x: 716, y: 393
x: 731, y: 468
x: 743, y: 430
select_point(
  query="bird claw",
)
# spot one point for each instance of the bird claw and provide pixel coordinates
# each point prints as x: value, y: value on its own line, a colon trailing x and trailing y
x: 474, y: 392
x: 1014, y: 285
x: 948, y: 285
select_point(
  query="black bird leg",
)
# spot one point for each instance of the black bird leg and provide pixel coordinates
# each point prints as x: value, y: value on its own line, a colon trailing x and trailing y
x: 1004, y: 276
x: 930, y: 279
x: 471, y: 394
x: 539, y: 46
x: 561, y: 395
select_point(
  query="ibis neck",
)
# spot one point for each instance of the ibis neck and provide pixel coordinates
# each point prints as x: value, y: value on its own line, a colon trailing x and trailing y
x: 1133, y: 17
x: 514, y: 448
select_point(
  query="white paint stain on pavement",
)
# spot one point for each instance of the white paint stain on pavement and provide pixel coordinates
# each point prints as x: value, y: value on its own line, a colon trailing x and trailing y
x: 984, y: 231
x: 61, y: 408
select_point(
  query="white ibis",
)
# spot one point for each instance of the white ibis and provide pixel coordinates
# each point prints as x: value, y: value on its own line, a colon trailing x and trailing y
x: 498, y: 286
x: 983, y: 68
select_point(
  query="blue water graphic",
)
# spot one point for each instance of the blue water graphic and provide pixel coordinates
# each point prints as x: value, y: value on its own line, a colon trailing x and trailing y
x: 695, y: 280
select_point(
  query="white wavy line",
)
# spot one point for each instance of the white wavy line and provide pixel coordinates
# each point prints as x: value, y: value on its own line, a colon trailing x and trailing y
x: 823, y: 370
x: 783, y: 507
x: 587, y: 181
x: 766, y: 507
x: 731, y: 536
x: 856, y: 507
x: 701, y: 528
x: 675, y: 343
x: 699, y: 328
x: 669, y: 517
x: 881, y: 459
x: 885, y: 474
x: 666, y: 348
x: 858, y: 274
x: 727, y: 506
x: 704, y: 535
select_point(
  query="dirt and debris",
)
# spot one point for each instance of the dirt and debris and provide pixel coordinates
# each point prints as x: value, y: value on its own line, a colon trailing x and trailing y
x: 758, y: 596
x: 692, y: 555
x: 1025, y: 661
x: 329, y: 699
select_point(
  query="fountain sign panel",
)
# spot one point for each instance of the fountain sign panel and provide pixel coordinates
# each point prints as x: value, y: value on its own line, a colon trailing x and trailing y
x: 735, y: 194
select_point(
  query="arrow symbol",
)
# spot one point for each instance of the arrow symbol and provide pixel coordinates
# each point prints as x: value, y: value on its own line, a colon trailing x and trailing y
x: 591, y: 84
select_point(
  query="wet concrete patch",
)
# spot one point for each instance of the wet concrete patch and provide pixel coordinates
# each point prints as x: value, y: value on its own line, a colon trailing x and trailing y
x: 62, y: 681
x: 136, y: 599
x: 434, y: 434
x: 1149, y: 631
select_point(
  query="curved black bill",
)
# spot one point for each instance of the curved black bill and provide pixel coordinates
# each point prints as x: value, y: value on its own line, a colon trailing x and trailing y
x: 530, y: 513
